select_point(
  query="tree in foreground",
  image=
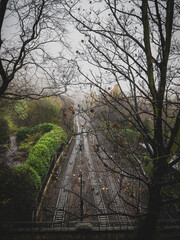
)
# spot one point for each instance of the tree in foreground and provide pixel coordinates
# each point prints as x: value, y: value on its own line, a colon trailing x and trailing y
x: 32, y: 38
x: 135, y: 45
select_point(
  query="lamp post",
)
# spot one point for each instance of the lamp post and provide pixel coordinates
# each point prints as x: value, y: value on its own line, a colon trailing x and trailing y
x: 81, y: 197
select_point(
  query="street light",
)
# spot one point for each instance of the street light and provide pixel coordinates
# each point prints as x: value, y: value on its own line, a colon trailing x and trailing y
x: 81, y: 196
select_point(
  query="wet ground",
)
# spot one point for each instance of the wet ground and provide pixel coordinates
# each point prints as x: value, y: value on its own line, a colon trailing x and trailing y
x: 10, y: 155
x: 95, y: 186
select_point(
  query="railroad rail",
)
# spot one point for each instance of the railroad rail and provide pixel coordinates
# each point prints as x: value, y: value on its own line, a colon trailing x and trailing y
x: 65, y: 185
x: 117, y: 204
x: 97, y: 194
x: 95, y: 181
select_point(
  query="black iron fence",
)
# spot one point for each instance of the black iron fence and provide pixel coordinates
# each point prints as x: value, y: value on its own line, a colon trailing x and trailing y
x: 79, y: 226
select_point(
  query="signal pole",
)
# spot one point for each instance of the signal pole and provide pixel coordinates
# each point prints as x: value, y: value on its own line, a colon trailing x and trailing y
x: 81, y: 197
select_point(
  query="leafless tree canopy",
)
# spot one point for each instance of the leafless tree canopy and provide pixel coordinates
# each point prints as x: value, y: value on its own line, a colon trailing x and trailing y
x: 32, y: 40
x: 132, y: 50
x: 135, y: 46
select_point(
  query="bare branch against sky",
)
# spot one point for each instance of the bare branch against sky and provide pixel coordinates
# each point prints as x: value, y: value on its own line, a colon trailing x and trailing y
x: 135, y: 44
x: 33, y: 43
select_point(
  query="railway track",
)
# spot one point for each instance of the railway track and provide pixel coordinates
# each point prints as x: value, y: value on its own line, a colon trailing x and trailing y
x: 117, y: 204
x: 97, y: 194
x: 65, y: 185
x: 110, y: 182
x: 95, y: 181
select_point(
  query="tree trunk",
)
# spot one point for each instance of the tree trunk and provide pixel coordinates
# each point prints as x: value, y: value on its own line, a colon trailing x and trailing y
x: 147, y: 229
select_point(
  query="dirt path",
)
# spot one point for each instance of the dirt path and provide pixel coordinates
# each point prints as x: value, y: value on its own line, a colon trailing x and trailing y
x: 8, y: 157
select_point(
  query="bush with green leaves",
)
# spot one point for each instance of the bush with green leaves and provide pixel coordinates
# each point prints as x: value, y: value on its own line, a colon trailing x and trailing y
x: 19, y: 188
x: 27, y: 144
x: 31, y: 181
x: 28, y: 113
x: 40, y: 155
x: 39, y: 159
x: 51, y: 141
x: 24, y: 132
x: 4, y: 131
x: 58, y: 131
x: 28, y: 184
x: 44, y: 110
x: 44, y: 128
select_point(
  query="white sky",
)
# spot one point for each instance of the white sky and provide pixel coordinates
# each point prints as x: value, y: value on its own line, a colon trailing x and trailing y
x: 74, y: 38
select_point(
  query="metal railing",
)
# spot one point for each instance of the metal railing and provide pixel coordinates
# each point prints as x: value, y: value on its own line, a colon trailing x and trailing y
x: 78, y: 225
x: 69, y: 226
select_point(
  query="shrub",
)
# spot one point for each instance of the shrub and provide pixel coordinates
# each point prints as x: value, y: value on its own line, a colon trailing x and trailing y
x: 43, y: 110
x: 58, y: 131
x: 6, y: 183
x: 19, y: 188
x: 40, y: 150
x: 24, y: 132
x: 39, y: 159
x: 31, y: 177
x: 19, y: 112
x: 29, y: 113
x: 7, y: 186
x: 51, y: 141
x: 27, y: 186
x: 4, y: 131
x: 44, y: 128
x: 29, y: 142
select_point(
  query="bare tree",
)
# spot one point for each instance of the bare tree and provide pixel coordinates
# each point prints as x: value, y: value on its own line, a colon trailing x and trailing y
x: 32, y: 37
x: 135, y: 44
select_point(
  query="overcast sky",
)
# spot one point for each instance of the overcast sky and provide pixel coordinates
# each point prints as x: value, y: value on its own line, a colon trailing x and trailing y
x: 74, y: 38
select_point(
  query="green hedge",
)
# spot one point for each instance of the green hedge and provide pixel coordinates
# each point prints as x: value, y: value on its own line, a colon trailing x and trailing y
x: 19, y: 186
x: 58, y: 131
x: 39, y: 159
x: 23, y: 132
x: 48, y: 144
x: 51, y: 141
x: 27, y: 187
